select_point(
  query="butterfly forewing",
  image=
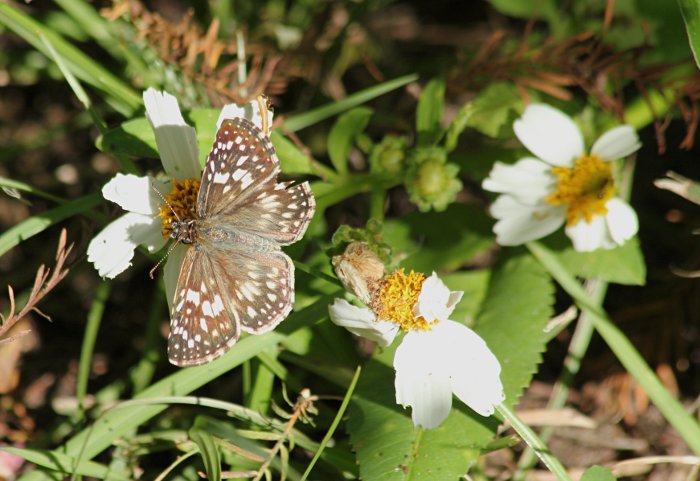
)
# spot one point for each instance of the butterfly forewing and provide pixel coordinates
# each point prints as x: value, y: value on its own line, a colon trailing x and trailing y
x: 201, y: 328
x: 241, y: 161
x: 278, y: 211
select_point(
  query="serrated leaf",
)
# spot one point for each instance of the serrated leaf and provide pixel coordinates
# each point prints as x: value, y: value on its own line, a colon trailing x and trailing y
x: 209, y: 452
x: 598, y: 473
x: 429, y: 112
x: 622, y: 265
x: 517, y: 307
x: 493, y: 111
x: 439, y: 240
x: 343, y: 134
x: 390, y: 448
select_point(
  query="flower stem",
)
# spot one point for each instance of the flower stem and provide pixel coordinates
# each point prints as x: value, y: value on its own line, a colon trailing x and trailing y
x: 535, y: 443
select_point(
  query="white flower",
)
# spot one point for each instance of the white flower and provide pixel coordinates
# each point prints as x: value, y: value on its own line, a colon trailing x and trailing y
x: 112, y: 250
x: 437, y: 357
x: 562, y: 184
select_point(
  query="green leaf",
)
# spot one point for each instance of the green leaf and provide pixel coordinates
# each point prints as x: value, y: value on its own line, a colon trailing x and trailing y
x: 429, y: 112
x: 434, y: 241
x: 343, y: 134
x: 134, y: 138
x: 516, y: 310
x: 292, y: 159
x: 622, y: 265
x: 670, y: 407
x: 474, y: 284
x: 117, y: 422
x: 492, y: 112
x: 598, y: 473
x: 390, y: 448
x: 209, y: 452
x: 120, y: 95
x: 39, y: 222
x: 64, y: 464
x: 300, y: 121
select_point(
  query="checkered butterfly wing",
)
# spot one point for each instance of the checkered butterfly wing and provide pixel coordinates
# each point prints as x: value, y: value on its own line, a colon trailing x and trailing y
x: 255, y: 202
x: 235, y: 275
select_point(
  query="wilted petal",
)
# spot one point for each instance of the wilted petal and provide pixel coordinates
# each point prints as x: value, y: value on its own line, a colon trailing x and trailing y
x: 176, y: 141
x: 550, y: 134
x: 362, y: 322
x: 621, y: 220
x: 474, y: 370
x: 135, y: 194
x: 250, y: 111
x: 436, y: 301
x: 420, y: 382
x: 617, y: 143
x: 112, y: 249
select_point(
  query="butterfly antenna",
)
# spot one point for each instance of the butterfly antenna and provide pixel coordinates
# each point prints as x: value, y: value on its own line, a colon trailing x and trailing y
x: 166, y: 202
x: 170, y: 249
x: 174, y: 244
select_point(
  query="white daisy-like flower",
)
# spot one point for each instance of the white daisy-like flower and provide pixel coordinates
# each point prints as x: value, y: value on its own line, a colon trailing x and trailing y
x: 147, y: 221
x: 437, y: 357
x: 562, y: 184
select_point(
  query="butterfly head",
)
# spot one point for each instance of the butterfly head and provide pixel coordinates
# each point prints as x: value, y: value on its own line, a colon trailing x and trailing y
x: 184, y: 231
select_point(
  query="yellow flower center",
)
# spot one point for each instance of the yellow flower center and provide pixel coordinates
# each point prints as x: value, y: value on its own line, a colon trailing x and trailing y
x: 181, y: 203
x: 395, y: 300
x: 585, y: 188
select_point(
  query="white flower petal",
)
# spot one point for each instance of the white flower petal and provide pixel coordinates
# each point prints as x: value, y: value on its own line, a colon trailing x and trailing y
x: 135, y: 194
x: 250, y: 111
x: 177, y: 141
x: 588, y: 237
x: 621, y: 220
x: 617, y: 143
x: 529, y: 180
x: 518, y: 223
x: 171, y: 271
x: 113, y: 248
x: 362, y: 322
x: 420, y: 382
x: 550, y: 134
x: 474, y: 370
x: 436, y: 301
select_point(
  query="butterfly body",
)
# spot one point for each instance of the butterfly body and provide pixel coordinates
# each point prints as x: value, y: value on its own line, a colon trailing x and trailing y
x: 235, y: 276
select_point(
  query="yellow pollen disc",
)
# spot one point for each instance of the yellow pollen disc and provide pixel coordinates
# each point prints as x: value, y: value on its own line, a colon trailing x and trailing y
x: 396, y: 298
x: 182, y: 200
x: 585, y: 188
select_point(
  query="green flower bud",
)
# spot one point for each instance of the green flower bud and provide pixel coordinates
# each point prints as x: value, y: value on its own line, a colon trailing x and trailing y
x: 389, y: 155
x: 432, y: 183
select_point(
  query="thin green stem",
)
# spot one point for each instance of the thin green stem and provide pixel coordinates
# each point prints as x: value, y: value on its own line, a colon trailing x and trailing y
x: 535, y: 443
x: 92, y: 327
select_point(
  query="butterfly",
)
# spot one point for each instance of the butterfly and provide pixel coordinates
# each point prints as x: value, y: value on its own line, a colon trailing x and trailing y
x: 235, y: 276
